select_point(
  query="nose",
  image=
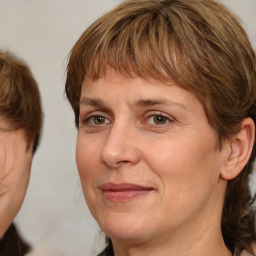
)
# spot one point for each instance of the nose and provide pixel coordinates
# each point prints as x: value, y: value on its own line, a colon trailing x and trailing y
x: 120, y: 147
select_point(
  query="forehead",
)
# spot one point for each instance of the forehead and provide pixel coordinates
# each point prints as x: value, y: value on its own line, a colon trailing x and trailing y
x: 115, y: 88
x: 5, y: 124
x: 115, y: 77
x: 10, y: 129
x: 116, y: 83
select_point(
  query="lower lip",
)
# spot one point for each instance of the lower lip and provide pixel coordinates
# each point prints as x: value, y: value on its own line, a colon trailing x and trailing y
x: 125, y: 195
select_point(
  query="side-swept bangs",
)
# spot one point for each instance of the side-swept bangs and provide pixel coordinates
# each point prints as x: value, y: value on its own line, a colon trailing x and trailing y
x: 165, y: 41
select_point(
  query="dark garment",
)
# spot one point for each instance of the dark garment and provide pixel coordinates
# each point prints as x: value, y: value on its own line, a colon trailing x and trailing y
x: 12, y: 244
x: 108, y: 251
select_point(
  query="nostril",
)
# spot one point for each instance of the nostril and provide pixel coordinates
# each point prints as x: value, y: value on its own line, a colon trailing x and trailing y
x: 122, y: 162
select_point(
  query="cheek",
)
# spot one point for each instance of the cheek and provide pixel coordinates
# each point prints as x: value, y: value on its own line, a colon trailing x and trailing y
x: 24, y: 176
x: 87, y: 159
x: 184, y: 168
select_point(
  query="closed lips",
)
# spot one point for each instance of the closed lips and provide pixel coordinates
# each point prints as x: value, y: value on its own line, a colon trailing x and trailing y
x: 123, y: 192
x: 123, y: 187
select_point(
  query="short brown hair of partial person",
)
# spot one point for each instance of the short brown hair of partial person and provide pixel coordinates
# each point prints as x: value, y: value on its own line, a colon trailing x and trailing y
x: 201, y: 46
x: 20, y: 102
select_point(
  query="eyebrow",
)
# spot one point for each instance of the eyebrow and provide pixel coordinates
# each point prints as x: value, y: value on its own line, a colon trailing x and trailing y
x: 160, y: 101
x: 92, y: 102
x: 150, y: 102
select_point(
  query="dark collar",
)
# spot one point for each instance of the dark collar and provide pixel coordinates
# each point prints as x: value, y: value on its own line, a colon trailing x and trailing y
x: 108, y: 250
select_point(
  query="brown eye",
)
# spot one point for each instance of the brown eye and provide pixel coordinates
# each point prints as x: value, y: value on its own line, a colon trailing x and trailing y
x: 158, y: 120
x: 97, y: 120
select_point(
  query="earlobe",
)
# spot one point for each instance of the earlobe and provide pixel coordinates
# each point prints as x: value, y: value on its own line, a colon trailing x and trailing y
x: 240, y: 148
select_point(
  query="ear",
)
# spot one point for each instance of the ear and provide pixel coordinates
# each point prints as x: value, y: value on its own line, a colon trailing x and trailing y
x: 240, y: 148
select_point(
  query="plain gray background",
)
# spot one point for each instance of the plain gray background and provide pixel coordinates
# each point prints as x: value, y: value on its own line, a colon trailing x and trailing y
x: 54, y: 217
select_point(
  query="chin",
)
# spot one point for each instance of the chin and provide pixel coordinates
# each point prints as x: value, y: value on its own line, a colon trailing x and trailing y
x: 124, y: 227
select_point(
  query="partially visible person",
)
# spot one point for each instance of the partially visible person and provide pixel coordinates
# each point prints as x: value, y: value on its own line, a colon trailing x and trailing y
x: 20, y: 128
x: 164, y: 97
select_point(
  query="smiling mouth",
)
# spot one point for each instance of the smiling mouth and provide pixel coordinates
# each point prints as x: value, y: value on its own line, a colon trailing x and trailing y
x: 123, y: 192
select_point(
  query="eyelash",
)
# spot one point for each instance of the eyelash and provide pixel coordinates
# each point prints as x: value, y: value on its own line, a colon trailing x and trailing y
x: 90, y: 119
x: 167, y: 119
x: 93, y: 116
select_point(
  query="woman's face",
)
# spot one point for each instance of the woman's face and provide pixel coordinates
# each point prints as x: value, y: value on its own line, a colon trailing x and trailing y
x: 147, y: 159
x: 15, y: 166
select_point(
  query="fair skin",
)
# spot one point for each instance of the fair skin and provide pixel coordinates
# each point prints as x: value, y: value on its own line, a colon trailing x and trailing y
x: 15, y: 166
x: 150, y: 169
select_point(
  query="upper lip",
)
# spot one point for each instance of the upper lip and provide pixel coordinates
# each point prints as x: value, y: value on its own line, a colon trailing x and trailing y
x: 123, y: 186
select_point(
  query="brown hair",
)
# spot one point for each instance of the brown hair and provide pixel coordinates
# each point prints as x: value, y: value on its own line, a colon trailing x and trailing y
x: 20, y: 102
x: 200, y: 45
